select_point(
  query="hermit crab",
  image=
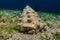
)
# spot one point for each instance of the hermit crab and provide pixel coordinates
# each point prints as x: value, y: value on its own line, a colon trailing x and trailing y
x: 30, y: 22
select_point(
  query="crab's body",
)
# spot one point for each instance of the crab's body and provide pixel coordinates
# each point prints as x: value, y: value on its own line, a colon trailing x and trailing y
x: 30, y: 22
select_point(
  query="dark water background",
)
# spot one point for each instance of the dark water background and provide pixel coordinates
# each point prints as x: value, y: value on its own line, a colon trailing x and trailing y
x: 38, y: 5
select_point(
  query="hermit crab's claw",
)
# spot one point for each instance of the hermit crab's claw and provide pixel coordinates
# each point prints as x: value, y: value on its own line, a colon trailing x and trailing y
x: 31, y: 31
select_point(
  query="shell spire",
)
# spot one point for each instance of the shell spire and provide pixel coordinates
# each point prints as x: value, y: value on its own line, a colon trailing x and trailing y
x: 28, y: 10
